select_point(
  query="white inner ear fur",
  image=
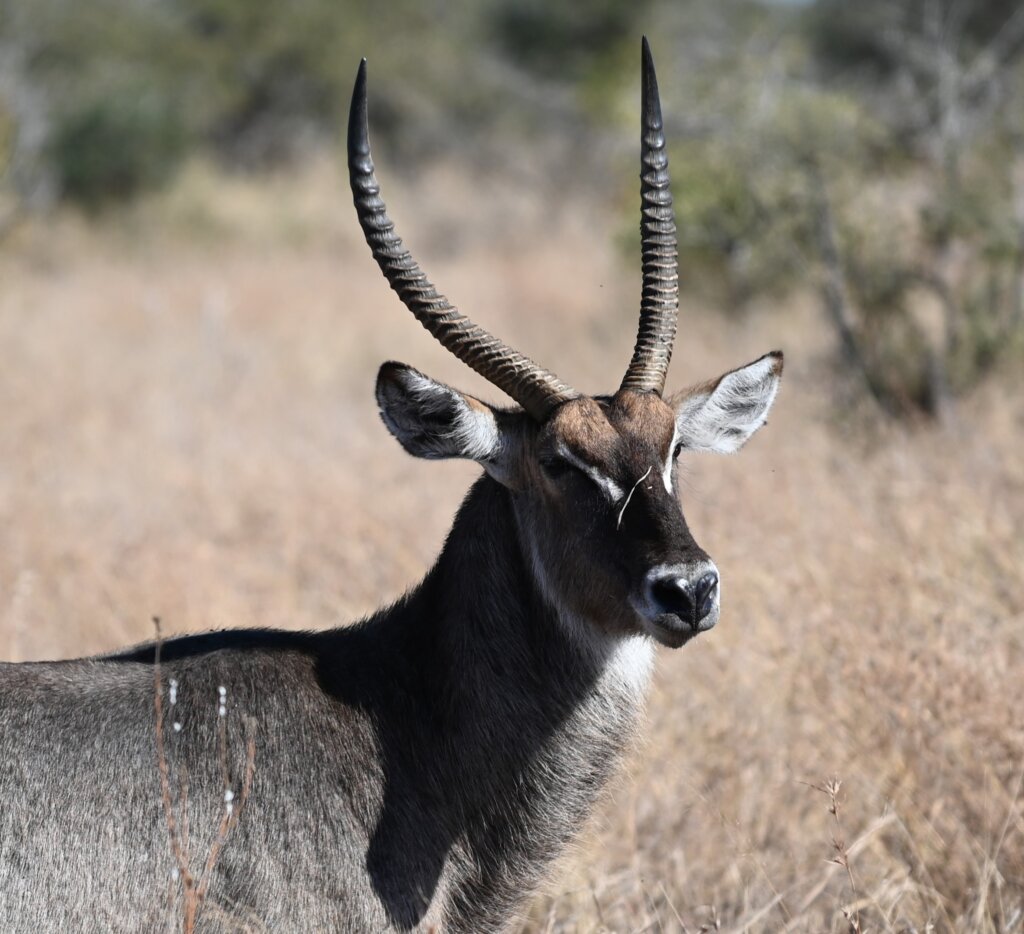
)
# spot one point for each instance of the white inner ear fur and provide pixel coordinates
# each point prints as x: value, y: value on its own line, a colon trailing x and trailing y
x: 475, y: 433
x: 611, y: 490
x: 722, y: 418
x: 472, y: 433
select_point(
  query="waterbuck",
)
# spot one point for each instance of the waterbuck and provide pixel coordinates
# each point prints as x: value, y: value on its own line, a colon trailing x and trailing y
x: 418, y: 770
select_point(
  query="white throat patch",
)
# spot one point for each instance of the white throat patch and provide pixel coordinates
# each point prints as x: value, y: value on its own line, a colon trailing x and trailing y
x: 631, y: 664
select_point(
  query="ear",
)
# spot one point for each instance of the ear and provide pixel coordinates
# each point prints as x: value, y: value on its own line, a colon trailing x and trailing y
x: 722, y: 414
x: 434, y: 421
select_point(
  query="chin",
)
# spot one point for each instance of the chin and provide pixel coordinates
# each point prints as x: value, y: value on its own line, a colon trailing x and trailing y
x: 669, y: 630
x: 672, y: 631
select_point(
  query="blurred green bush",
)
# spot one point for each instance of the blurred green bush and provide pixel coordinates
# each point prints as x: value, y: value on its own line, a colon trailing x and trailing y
x: 116, y: 147
x: 872, y: 152
x: 126, y: 88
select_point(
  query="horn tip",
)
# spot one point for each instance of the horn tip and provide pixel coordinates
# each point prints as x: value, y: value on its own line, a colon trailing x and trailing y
x: 650, y: 104
x: 646, y: 57
x: 357, y: 131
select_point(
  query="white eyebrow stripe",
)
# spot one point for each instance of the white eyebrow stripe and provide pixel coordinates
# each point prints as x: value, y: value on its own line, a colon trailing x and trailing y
x: 666, y: 474
x: 607, y: 486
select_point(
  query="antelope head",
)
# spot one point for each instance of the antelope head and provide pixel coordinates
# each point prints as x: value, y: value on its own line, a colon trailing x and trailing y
x: 592, y: 478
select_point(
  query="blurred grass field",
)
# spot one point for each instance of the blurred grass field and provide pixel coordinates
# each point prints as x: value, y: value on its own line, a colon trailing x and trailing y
x: 189, y: 430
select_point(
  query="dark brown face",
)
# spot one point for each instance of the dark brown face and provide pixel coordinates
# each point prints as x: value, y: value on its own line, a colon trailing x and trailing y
x: 594, y: 487
x: 604, y: 518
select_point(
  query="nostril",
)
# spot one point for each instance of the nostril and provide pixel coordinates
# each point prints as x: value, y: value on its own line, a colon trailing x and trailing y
x: 672, y: 594
x: 704, y: 593
x: 694, y: 600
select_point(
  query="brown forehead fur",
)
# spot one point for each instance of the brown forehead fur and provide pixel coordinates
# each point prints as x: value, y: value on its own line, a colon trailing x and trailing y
x: 600, y: 432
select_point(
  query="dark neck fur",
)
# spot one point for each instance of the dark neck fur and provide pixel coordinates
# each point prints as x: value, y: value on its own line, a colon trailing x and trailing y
x: 505, y: 719
x: 492, y: 630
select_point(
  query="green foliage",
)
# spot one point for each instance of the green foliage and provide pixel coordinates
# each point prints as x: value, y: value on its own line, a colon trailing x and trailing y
x: 116, y: 148
x: 735, y: 218
x: 7, y: 134
x: 258, y: 83
x: 865, y: 36
x: 265, y: 70
x: 884, y: 170
x: 877, y: 261
x: 872, y: 152
x: 742, y: 196
x: 831, y: 127
x: 562, y: 39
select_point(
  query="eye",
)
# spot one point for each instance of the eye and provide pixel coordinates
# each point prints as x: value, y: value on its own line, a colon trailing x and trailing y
x: 556, y: 468
x: 677, y: 450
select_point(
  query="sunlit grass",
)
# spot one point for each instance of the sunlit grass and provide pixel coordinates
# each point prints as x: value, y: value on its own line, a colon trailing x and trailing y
x: 189, y: 430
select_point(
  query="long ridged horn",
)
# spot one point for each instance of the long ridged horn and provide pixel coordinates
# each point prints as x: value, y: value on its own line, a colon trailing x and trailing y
x: 534, y: 388
x: 659, y: 303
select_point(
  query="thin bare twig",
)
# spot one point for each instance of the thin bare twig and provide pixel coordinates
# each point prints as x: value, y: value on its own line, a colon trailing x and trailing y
x: 196, y: 891
x: 180, y: 852
x: 232, y: 811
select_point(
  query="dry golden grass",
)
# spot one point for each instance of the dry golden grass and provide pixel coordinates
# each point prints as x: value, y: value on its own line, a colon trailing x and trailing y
x: 189, y: 431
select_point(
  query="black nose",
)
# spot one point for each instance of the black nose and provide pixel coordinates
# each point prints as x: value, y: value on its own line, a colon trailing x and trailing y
x: 690, y: 602
x: 704, y: 593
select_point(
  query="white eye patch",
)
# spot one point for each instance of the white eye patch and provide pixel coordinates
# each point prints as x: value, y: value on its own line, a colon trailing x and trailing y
x: 666, y: 473
x: 611, y: 490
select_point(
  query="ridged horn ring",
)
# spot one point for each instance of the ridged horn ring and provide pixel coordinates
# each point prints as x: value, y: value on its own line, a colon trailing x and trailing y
x: 659, y: 302
x: 534, y: 388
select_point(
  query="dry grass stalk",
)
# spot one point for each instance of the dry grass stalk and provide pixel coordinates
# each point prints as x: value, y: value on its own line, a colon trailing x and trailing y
x: 195, y: 888
x: 841, y: 858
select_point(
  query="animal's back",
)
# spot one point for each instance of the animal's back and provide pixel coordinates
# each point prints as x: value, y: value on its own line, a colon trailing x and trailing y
x: 85, y: 842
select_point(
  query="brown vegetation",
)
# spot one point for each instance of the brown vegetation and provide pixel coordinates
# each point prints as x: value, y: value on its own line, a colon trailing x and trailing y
x: 189, y: 430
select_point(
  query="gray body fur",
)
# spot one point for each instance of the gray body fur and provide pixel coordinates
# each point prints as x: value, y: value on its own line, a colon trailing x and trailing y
x: 419, y: 769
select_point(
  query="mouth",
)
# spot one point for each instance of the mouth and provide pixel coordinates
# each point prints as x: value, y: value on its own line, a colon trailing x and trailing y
x: 672, y: 631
